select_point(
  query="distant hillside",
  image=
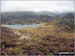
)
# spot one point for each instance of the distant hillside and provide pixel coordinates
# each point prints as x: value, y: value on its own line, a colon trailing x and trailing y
x: 46, y: 18
x: 46, y: 13
x: 67, y: 22
x: 17, y: 17
x: 25, y: 17
x: 26, y: 14
x: 28, y: 17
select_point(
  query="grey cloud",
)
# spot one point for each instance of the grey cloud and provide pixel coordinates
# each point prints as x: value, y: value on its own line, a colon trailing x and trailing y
x: 59, y: 6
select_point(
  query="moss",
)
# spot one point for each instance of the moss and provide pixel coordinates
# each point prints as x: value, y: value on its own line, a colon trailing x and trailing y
x: 49, y: 53
x: 41, y: 48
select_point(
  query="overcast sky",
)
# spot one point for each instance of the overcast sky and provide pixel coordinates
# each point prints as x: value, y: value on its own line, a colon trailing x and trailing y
x: 52, y: 6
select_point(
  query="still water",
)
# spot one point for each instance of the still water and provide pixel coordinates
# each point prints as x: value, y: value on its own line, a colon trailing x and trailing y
x: 19, y: 26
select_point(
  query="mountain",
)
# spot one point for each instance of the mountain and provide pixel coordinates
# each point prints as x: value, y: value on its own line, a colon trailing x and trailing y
x: 63, y: 14
x: 17, y: 17
x: 67, y: 22
x: 46, y: 18
x: 46, y: 13
x: 26, y: 14
x: 23, y: 17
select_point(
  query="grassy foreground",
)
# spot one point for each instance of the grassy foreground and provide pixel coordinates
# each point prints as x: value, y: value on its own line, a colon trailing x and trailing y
x: 48, y: 40
x: 44, y: 40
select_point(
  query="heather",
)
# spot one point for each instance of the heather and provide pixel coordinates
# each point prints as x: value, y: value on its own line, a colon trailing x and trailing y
x: 44, y: 40
x: 54, y: 35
